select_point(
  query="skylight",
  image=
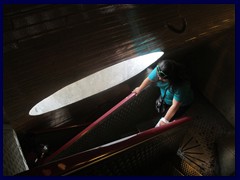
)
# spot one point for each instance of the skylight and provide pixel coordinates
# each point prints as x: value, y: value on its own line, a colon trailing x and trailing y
x: 95, y: 83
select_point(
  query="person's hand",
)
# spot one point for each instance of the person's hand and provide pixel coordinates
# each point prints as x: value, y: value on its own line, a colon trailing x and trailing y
x: 162, y: 122
x: 136, y: 90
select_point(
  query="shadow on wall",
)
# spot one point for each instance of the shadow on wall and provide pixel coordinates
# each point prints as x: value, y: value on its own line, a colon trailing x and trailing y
x: 211, y: 66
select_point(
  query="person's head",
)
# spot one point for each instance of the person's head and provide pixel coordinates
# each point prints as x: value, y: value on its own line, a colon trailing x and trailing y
x: 162, y: 76
x: 169, y: 70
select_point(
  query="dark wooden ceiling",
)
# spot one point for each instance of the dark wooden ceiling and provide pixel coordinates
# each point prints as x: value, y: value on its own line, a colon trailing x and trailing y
x: 47, y: 47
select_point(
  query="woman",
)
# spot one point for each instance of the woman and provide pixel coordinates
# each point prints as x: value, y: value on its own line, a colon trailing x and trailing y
x: 174, y: 86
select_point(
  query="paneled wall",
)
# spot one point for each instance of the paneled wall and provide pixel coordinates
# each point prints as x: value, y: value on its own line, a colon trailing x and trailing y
x: 215, y: 72
x: 47, y: 47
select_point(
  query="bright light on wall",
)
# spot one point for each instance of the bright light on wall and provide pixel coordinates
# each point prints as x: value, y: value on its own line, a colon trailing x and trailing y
x: 95, y: 83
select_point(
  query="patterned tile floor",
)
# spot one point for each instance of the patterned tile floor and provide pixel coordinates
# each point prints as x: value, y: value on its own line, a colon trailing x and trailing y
x: 198, y: 149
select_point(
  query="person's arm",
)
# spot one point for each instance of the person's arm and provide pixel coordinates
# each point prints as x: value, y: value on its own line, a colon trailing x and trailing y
x: 144, y: 84
x: 170, y: 113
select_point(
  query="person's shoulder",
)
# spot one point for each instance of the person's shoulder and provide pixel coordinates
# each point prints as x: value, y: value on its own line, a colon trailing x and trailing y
x: 153, y: 74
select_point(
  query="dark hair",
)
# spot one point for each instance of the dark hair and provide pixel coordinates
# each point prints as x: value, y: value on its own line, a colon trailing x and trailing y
x: 176, y: 73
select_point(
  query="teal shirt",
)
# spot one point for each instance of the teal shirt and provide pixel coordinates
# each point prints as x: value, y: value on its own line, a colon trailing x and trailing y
x: 182, y: 94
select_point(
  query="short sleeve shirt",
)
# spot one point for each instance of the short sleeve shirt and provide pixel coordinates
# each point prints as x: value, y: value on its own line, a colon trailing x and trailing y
x: 182, y: 94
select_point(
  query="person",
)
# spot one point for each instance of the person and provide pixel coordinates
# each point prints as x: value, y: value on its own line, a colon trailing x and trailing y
x: 170, y: 76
